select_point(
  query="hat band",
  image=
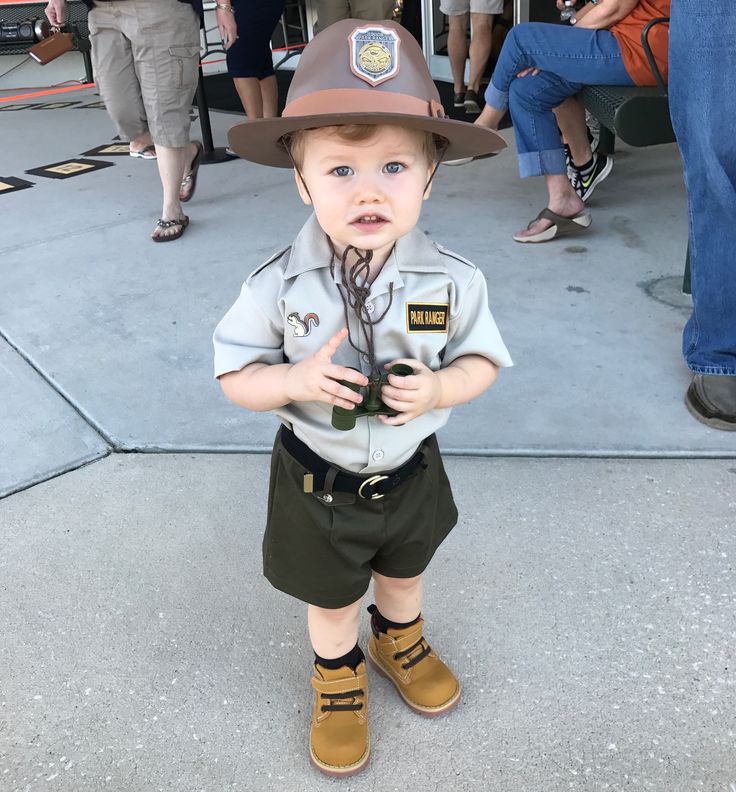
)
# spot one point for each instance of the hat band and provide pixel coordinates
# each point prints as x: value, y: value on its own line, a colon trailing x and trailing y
x: 335, y: 101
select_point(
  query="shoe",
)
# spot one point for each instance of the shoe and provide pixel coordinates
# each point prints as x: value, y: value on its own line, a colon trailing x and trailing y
x: 585, y: 183
x: 163, y: 225
x: 189, y: 182
x: 421, y: 678
x: 471, y: 103
x: 458, y: 99
x: 561, y: 226
x: 712, y: 400
x: 148, y: 153
x: 339, y: 743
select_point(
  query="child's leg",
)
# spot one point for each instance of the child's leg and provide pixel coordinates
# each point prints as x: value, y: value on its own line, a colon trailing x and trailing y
x: 398, y: 599
x: 333, y: 631
x: 398, y: 650
x: 339, y: 744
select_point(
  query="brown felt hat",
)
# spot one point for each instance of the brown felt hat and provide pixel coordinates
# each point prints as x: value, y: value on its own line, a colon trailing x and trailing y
x: 358, y: 72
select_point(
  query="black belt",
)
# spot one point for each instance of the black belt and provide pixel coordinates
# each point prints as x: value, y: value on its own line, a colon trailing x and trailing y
x: 368, y: 487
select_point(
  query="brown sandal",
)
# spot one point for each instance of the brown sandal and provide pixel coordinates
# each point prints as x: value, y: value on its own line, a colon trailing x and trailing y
x: 189, y: 182
x: 162, y: 224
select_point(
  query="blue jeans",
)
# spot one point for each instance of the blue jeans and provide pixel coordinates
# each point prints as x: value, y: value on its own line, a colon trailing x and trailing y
x: 702, y: 66
x: 569, y: 58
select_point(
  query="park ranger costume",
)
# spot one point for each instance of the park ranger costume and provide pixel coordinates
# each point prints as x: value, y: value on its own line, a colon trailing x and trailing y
x: 343, y: 504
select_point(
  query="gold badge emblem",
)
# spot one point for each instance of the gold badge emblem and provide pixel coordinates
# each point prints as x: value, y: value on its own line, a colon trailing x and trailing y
x: 374, y: 58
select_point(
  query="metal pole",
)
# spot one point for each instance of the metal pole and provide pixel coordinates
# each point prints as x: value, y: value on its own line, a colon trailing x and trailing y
x: 211, y: 154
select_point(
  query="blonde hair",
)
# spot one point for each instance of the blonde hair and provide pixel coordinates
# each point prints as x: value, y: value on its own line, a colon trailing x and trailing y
x: 431, y: 143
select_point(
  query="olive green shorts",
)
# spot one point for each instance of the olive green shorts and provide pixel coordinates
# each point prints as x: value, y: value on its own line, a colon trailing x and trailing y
x: 325, y: 552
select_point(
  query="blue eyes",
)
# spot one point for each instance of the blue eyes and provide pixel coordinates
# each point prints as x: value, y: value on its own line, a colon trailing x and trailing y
x: 390, y: 167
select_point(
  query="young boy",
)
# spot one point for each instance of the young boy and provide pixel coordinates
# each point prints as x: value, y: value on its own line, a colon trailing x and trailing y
x: 360, y: 290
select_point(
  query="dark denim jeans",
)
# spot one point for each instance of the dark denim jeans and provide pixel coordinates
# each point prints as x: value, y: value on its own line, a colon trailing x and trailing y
x: 569, y: 58
x: 703, y: 107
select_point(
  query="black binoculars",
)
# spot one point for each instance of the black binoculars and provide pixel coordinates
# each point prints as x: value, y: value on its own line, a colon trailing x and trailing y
x: 344, y: 418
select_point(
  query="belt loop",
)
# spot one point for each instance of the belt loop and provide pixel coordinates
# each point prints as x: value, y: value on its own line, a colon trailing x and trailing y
x: 330, y: 477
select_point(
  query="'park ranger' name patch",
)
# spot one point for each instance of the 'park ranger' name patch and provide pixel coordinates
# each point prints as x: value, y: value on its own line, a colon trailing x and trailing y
x: 427, y: 317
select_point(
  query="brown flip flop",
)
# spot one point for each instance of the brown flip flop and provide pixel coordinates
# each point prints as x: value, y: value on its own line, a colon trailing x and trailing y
x: 561, y: 226
x: 182, y: 221
x: 189, y: 182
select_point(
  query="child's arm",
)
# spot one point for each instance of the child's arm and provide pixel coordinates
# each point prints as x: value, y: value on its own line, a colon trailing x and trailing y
x: 261, y: 387
x: 461, y: 381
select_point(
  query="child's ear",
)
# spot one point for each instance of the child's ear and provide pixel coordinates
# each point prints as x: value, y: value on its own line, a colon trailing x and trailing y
x: 303, y: 192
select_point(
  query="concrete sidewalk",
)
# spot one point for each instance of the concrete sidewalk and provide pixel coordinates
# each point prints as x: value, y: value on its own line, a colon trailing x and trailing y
x: 588, y: 607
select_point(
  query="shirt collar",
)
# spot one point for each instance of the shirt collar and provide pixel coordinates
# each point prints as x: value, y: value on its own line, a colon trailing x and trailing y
x: 413, y: 252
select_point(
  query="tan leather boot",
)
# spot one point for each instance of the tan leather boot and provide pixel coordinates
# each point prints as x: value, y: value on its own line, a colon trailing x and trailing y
x: 424, y: 682
x: 339, y: 744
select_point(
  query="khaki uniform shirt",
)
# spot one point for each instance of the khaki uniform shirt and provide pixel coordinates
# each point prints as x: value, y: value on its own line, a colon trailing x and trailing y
x: 290, y: 307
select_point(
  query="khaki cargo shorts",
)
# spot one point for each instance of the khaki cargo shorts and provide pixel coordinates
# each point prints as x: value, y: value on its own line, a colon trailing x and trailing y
x: 455, y: 7
x: 145, y: 55
x: 324, y: 553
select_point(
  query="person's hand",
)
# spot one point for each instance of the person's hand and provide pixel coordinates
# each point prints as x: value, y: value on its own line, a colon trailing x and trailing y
x: 56, y: 12
x: 317, y: 378
x: 531, y: 70
x: 412, y: 396
x: 227, y: 27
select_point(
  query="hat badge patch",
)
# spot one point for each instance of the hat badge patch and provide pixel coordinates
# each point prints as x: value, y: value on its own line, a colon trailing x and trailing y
x: 374, y: 53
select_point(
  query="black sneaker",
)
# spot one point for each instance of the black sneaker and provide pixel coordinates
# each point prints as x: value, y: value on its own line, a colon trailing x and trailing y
x: 458, y: 99
x: 584, y: 182
x: 712, y: 400
x: 471, y: 102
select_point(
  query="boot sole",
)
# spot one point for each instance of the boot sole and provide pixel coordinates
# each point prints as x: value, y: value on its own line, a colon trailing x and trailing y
x: 427, y: 712
x: 341, y: 772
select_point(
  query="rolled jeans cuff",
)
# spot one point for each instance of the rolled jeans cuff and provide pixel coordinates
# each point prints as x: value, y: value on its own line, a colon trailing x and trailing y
x: 496, y: 98
x: 539, y: 163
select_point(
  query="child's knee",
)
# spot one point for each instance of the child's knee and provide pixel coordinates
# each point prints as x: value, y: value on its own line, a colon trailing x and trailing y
x: 397, y: 584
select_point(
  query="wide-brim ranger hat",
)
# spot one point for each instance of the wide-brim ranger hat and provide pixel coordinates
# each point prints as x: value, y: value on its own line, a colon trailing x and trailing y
x: 357, y: 72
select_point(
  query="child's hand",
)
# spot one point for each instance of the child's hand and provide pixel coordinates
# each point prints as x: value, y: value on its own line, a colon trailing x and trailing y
x: 316, y: 378
x: 412, y: 396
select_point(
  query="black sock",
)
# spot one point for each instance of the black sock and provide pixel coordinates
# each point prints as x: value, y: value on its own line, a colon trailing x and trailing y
x: 352, y: 659
x: 380, y: 624
x: 588, y: 165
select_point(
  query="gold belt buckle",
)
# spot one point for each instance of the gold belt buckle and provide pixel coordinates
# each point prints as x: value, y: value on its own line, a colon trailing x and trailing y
x: 372, y: 480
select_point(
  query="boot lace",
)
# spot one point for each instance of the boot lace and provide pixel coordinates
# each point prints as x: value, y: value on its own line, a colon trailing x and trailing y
x: 346, y: 706
x: 425, y: 649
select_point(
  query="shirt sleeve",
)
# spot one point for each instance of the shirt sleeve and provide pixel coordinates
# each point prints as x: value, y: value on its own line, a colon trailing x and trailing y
x: 472, y: 329
x: 248, y: 334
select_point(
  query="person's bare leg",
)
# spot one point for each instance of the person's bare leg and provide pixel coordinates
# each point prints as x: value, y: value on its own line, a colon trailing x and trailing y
x: 571, y: 121
x: 398, y: 599
x: 480, y: 48
x: 490, y: 117
x: 457, y: 49
x: 172, y: 164
x: 249, y: 91
x: 333, y: 632
x: 562, y: 199
x: 270, y: 96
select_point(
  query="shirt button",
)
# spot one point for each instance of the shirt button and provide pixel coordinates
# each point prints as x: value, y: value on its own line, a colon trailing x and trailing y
x: 377, y: 455
x: 327, y: 498
x: 370, y: 307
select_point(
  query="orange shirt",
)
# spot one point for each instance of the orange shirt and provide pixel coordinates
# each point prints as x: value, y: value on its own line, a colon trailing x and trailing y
x: 628, y: 34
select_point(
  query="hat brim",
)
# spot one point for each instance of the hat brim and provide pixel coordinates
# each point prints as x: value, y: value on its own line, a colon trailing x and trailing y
x: 259, y: 140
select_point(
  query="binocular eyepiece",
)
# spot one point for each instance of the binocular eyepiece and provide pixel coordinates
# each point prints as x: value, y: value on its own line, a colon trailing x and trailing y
x: 344, y: 418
